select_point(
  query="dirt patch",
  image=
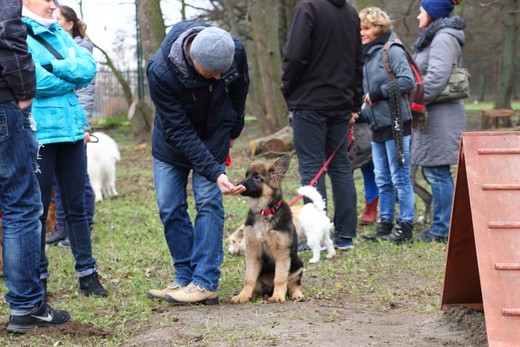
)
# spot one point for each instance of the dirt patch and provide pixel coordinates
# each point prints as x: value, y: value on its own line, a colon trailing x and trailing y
x: 311, y: 323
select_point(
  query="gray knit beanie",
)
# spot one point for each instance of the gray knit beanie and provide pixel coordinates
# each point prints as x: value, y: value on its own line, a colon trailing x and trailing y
x: 213, y: 49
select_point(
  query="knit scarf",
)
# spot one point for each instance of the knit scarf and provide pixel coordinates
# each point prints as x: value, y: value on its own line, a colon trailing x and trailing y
x: 427, y: 35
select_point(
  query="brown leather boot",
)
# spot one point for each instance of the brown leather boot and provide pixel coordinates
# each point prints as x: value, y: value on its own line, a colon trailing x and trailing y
x: 370, y: 214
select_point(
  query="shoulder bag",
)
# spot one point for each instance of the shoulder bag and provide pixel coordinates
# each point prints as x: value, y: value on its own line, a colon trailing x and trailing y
x: 458, y: 83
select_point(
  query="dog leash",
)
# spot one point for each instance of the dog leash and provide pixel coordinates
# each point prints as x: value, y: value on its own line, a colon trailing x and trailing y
x: 350, y: 135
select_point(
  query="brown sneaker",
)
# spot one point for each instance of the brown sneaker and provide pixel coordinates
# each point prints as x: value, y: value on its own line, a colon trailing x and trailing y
x: 192, y: 295
x: 160, y: 294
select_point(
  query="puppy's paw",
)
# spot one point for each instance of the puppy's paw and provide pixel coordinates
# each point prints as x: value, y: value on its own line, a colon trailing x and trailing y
x: 240, y: 299
x: 331, y: 254
x: 298, y: 296
x: 314, y: 260
x: 276, y: 298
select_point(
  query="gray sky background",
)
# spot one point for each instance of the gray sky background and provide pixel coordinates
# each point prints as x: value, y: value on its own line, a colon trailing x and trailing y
x: 109, y: 19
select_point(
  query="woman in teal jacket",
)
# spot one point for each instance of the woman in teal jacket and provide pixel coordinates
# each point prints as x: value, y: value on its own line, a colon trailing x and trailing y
x: 61, y: 67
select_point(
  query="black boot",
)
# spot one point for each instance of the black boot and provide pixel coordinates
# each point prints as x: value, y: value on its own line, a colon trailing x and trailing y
x: 403, y: 233
x: 90, y: 286
x: 59, y: 235
x: 384, y: 228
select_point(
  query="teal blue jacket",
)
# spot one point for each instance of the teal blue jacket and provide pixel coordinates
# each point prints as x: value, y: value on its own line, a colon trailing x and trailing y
x: 56, y: 110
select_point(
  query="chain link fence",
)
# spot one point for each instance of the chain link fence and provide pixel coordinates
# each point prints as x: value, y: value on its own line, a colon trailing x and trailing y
x: 110, y: 98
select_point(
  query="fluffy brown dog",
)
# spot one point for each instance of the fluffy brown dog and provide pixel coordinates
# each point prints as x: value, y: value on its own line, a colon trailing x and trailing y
x: 273, y: 266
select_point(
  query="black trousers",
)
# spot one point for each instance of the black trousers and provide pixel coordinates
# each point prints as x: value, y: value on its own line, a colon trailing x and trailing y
x: 317, y: 134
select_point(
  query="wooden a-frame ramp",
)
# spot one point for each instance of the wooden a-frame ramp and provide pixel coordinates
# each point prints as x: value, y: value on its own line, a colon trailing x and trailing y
x: 483, y: 254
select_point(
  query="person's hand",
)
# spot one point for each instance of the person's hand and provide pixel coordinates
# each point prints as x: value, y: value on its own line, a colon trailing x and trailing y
x: 24, y: 103
x: 87, y: 137
x: 367, y: 99
x: 228, y: 188
x: 354, y: 117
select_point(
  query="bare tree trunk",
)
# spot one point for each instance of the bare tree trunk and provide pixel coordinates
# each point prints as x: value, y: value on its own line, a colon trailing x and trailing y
x: 265, y: 24
x: 508, y: 68
x: 152, y: 32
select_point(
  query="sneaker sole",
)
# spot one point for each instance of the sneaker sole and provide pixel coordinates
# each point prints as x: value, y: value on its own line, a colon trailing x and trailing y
x: 211, y: 301
x: 401, y: 242
x: 22, y: 329
x: 344, y: 248
x: 154, y: 297
x: 151, y: 296
x: 88, y: 294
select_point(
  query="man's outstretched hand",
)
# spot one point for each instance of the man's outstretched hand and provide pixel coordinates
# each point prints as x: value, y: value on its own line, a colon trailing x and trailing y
x: 228, y: 188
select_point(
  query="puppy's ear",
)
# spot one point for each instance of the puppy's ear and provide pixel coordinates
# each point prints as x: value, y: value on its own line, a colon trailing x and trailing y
x: 282, y: 164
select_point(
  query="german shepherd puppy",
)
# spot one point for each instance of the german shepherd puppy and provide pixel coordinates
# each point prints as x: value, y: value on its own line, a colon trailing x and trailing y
x: 273, y: 266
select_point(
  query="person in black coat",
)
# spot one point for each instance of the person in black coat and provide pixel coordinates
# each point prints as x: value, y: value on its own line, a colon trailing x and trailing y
x: 322, y: 85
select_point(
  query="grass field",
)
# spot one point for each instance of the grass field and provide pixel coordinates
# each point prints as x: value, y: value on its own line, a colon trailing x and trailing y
x: 132, y: 256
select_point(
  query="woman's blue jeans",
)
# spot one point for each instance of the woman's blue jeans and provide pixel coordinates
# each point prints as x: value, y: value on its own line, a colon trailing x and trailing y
x: 441, y: 181
x: 21, y: 206
x: 67, y: 162
x: 390, y: 176
x: 369, y: 182
x: 196, y: 248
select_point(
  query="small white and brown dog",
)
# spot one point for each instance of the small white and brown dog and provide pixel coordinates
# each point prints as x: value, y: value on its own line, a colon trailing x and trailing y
x: 311, y: 222
x: 102, y: 157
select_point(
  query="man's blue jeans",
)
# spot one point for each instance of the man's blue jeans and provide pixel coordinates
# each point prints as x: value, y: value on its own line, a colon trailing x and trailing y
x: 391, y: 176
x: 196, y: 248
x: 67, y: 162
x: 441, y: 181
x: 21, y: 206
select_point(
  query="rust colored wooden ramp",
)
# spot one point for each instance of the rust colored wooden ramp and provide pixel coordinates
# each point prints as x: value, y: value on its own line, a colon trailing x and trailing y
x: 483, y: 255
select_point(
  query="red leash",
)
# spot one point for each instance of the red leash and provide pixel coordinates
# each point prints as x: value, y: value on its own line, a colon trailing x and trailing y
x: 350, y: 134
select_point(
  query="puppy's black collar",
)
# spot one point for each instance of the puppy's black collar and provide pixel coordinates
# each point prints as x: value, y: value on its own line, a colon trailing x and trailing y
x: 272, y: 210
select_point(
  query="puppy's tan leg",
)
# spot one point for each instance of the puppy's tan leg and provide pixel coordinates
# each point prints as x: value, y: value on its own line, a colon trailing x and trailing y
x: 250, y: 278
x: 282, y: 266
x: 253, y: 267
x: 294, y: 285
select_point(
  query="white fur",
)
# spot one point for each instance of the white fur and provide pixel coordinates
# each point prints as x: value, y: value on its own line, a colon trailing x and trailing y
x: 102, y: 157
x: 315, y: 224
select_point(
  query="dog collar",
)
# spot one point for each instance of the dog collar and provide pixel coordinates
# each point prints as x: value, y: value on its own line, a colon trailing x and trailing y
x: 272, y: 210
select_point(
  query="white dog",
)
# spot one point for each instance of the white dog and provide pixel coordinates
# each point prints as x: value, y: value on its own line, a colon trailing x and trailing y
x: 311, y: 222
x: 315, y: 224
x: 102, y: 157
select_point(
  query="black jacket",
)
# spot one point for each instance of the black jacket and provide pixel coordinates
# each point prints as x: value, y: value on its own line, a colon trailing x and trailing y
x: 195, y: 118
x: 17, y: 76
x: 323, y: 59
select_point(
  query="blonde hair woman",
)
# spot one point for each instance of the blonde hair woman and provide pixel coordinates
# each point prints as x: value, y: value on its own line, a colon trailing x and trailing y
x: 386, y: 108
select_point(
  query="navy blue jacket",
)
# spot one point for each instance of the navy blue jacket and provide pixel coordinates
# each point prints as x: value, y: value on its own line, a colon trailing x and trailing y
x: 195, y: 118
